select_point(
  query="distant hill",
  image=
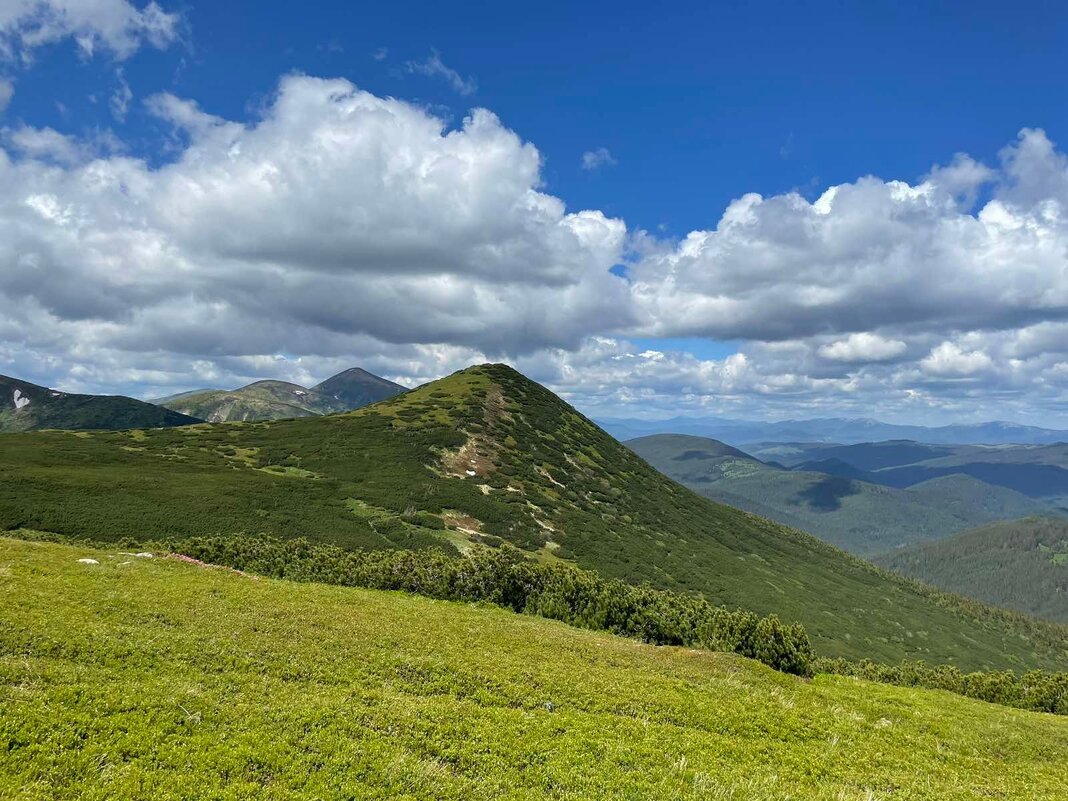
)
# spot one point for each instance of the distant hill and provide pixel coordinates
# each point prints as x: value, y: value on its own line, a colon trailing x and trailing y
x: 278, y: 400
x: 486, y: 457
x: 1020, y: 564
x: 29, y: 407
x: 831, y: 430
x: 830, y: 501
x: 1039, y: 471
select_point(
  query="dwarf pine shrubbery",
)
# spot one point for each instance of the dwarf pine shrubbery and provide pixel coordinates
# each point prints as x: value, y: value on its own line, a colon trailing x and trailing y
x: 504, y: 577
x: 1036, y: 690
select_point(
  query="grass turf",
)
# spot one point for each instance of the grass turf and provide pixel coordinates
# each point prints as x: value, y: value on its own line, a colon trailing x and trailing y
x: 137, y: 678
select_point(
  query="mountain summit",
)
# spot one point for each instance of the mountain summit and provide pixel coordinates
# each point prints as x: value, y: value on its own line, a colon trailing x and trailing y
x: 356, y: 387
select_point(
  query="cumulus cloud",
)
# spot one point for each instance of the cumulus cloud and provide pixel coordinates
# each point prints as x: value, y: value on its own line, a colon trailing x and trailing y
x: 337, y: 220
x: 344, y: 228
x: 863, y: 347
x: 45, y: 144
x: 949, y: 359
x: 117, y: 26
x: 873, y: 254
x: 7, y: 91
x: 434, y: 67
x: 595, y: 159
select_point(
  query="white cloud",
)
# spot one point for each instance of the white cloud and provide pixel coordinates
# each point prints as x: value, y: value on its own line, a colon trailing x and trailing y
x: 595, y: 159
x: 339, y: 221
x: 7, y: 91
x: 872, y: 255
x: 349, y: 228
x: 116, y: 26
x: 949, y: 359
x: 45, y: 144
x: 434, y: 67
x: 863, y: 347
x: 121, y: 97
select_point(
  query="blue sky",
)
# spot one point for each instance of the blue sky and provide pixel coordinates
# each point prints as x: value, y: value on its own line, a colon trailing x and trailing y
x: 658, y: 121
x: 697, y: 107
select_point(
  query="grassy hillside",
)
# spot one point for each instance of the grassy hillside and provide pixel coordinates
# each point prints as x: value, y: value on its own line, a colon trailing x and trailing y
x: 28, y: 407
x: 280, y: 400
x: 858, y: 516
x: 144, y: 678
x: 1021, y: 564
x: 482, y: 457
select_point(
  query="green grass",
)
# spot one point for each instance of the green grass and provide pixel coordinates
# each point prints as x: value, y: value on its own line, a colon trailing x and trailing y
x: 140, y: 678
x: 546, y: 480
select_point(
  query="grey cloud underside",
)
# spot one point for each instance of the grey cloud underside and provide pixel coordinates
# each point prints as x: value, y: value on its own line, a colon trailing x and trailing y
x: 342, y: 227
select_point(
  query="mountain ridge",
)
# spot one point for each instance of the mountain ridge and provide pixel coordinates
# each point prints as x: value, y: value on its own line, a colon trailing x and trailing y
x: 269, y: 399
x: 28, y: 407
x: 483, y: 457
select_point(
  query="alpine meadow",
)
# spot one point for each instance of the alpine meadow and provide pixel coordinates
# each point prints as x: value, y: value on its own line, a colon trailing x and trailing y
x: 424, y: 402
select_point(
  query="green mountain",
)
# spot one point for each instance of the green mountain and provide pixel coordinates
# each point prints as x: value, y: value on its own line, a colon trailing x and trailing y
x: 28, y: 407
x: 279, y: 400
x: 482, y: 457
x: 1020, y: 564
x: 143, y: 678
x: 859, y: 516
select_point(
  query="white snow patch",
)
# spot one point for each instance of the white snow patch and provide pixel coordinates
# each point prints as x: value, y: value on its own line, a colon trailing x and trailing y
x: 471, y: 473
x: 21, y: 401
x: 88, y: 562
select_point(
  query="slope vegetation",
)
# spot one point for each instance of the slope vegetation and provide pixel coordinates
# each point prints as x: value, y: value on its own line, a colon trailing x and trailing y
x: 859, y: 516
x: 28, y: 407
x: 280, y: 400
x: 144, y: 678
x: 1021, y: 564
x: 482, y: 457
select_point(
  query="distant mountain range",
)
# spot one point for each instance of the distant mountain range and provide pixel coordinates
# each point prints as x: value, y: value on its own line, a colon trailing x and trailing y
x: 1038, y: 471
x: 29, y: 407
x: 835, y: 499
x: 1020, y: 564
x: 832, y: 430
x: 277, y: 400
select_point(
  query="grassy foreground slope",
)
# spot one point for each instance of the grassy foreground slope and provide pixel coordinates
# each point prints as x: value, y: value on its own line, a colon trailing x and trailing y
x: 138, y: 678
x: 1021, y: 564
x: 478, y: 458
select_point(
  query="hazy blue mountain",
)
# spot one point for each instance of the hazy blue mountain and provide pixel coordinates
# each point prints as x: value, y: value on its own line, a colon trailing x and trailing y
x: 857, y: 515
x: 831, y: 430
